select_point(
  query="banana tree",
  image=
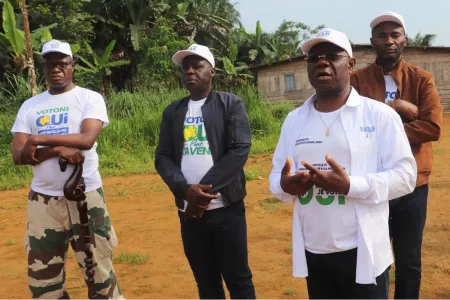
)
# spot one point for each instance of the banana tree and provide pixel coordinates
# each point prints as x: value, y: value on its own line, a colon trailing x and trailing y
x: 201, y: 21
x: 256, y: 44
x: 13, y: 39
x: 29, y: 48
x: 101, y: 65
x: 233, y: 72
x: 140, y: 12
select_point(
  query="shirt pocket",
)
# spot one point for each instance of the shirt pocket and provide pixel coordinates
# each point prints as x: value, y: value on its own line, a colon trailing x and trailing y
x: 365, y: 148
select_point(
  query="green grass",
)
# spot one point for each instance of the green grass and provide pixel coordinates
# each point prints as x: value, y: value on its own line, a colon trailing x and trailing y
x: 392, y: 275
x: 290, y: 292
x: 131, y: 259
x: 10, y: 243
x: 127, y: 145
x: 253, y: 173
x: 271, y: 204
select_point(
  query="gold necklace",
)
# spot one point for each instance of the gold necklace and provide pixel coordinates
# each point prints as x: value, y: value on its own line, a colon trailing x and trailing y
x: 328, y: 131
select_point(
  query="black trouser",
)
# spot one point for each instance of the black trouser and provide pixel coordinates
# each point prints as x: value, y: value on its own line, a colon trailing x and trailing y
x: 216, y: 247
x: 332, y: 276
x: 407, y: 216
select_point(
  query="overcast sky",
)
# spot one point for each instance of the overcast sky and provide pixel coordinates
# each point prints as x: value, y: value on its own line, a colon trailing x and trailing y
x: 350, y: 16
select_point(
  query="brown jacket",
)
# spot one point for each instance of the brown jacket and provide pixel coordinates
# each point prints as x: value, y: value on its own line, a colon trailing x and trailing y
x: 417, y: 86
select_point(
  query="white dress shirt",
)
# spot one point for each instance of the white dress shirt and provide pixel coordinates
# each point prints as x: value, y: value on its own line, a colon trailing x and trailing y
x: 382, y: 168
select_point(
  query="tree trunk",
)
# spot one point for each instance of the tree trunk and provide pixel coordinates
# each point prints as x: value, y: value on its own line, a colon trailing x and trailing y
x: 29, y: 49
x: 194, y: 33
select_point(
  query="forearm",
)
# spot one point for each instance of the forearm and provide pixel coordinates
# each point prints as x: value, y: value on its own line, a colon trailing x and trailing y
x: 78, y: 140
x: 171, y: 174
x: 43, y: 154
x: 419, y: 132
x: 384, y: 186
x: 226, y: 168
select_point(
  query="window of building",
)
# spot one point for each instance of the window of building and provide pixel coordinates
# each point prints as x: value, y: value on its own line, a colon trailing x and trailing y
x: 289, y: 81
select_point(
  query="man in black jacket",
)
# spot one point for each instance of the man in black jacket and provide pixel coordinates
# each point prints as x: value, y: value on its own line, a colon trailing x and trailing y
x: 204, y: 143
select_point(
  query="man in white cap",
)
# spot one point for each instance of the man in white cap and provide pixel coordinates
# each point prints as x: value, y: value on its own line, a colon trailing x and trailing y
x: 63, y: 122
x: 204, y: 143
x: 340, y: 158
x: 412, y: 93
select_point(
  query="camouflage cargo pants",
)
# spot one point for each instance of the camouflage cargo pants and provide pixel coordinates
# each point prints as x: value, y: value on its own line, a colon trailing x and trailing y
x: 53, y: 223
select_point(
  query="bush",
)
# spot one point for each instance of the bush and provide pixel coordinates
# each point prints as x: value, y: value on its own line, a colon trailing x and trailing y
x: 128, y: 144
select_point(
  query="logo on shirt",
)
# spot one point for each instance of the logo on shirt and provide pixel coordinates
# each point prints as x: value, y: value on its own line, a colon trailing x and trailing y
x: 53, y: 121
x: 195, y: 141
x: 367, y: 129
x: 323, y: 197
x: 390, y: 96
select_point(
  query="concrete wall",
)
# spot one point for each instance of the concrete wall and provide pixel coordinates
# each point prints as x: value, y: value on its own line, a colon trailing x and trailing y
x: 271, y: 79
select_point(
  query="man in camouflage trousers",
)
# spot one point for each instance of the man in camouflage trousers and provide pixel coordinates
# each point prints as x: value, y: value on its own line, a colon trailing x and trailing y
x: 64, y: 121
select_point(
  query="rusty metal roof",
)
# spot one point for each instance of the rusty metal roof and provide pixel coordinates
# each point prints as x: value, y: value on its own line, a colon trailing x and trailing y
x: 354, y: 46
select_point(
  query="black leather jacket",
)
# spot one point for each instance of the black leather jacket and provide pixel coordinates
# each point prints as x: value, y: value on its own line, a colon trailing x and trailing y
x: 228, y: 132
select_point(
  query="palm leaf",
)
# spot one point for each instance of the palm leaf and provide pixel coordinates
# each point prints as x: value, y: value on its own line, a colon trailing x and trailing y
x: 258, y: 34
x: 87, y: 62
x: 75, y: 48
x: 118, y: 63
x: 135, y: 32
x: 228, y: 66
x: 107, y: 53
x: 16, y: 39
x: 85, y: 70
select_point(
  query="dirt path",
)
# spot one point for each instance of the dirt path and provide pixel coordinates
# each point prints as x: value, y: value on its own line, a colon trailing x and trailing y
x: 149, y: 259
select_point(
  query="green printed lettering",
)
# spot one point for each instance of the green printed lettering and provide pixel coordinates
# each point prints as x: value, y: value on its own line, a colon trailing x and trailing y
x: 325, y: 201
x: 305, y: 200
x: 200, y: 135
x: 341, y: 199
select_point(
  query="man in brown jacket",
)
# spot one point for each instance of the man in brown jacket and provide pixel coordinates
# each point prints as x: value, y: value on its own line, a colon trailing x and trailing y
x: 411, y: 91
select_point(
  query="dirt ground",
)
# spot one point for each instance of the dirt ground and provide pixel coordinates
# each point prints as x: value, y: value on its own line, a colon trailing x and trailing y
x: 150, y: 262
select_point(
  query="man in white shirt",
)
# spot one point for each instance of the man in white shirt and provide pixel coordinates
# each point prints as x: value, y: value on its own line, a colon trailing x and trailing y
x: 63, y: 122
x: 204, y: 143
x: 340, y: 158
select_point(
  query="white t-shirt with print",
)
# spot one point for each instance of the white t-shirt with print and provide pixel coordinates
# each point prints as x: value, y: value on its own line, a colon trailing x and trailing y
x: 328, y: 221
x: 391, y: 88
x: 197, y: 159
x: 47, y: 114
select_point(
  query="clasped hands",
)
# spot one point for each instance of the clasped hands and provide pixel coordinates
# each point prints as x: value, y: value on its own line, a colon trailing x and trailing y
x: 74, y: 156
x: 198, y: 199
x: 336, y: 180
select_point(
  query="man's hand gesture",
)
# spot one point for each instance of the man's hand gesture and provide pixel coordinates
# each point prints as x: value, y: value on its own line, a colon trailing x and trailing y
x: 297, y: 184
x: 336, y: 180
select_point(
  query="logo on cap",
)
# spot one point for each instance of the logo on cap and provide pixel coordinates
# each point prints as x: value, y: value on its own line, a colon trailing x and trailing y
x: 192, y: 47
x: 324, y: 33
x: 54, y: 45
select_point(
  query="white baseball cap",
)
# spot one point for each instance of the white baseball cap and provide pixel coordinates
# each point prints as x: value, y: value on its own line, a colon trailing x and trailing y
x: 388, y: 16
x: 194, y: 49
x: 328, y: 35
x: 56, y: 46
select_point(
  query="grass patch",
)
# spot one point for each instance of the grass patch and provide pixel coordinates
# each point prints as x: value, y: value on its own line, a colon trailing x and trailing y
x: 127, y: 145
x: 271, y: 204
x: 288, y: 250
x: 444, y: 294
x: 290, y: 292
x: 10, y: 242
x: 131, y: 259
x: 392, y: 275
x: 253, y: 173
